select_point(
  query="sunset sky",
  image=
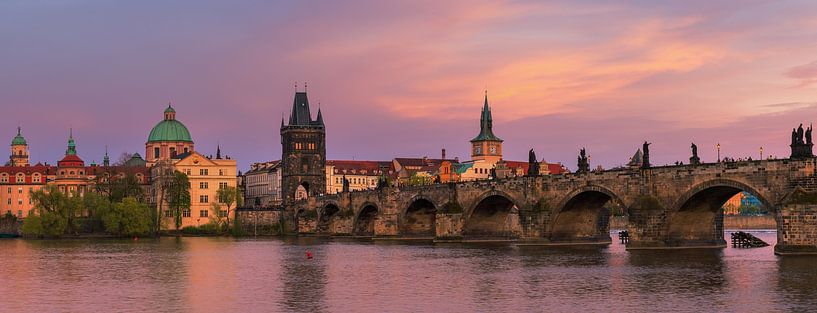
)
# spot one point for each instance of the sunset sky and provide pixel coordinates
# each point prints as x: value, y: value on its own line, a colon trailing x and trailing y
x: 406, y: 78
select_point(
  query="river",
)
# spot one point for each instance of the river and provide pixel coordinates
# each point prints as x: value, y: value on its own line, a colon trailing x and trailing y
x: 273, y: 275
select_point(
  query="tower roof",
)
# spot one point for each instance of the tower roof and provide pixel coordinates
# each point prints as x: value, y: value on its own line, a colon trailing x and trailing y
x: 169, y: 129
x: 19, y: 139
x: 72, y: 146
x: 300, y: 115
x: 486, y: 132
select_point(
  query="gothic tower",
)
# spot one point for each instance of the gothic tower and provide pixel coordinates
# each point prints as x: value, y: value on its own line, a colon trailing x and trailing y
x: 486, y: 146
x: 19, y: 150
x: 303, y: 153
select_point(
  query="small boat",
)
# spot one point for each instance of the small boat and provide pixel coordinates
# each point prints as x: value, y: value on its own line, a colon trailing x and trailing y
x: 9, y: 235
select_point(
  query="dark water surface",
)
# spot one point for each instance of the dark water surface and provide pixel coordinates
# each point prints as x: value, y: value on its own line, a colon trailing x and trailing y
x: 272, y: 275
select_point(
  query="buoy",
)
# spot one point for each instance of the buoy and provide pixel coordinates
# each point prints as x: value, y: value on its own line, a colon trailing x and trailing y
x: 309, y: 255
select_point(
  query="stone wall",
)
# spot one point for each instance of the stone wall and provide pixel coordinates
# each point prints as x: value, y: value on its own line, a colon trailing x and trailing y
x: 729, y: 222
x: 10, y: 225
x: 798, y: 229
x: 260, y: 222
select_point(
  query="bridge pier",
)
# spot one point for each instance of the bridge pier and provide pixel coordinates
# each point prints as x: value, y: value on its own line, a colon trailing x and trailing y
x: 796, y: 229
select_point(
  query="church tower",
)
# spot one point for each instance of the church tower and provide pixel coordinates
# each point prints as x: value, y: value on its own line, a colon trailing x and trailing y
x: 303, y: 153
x: 19, y: 150
x: 486, y: 146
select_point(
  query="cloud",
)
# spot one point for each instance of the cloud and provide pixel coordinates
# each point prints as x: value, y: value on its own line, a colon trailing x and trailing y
x: 805, y: 74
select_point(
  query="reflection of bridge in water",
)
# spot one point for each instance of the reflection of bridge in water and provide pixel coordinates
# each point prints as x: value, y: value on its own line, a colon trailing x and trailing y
x: 671, y: 206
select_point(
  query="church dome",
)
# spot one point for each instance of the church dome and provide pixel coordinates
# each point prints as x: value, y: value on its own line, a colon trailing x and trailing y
x: 18, y: 140
x: 169, y: 129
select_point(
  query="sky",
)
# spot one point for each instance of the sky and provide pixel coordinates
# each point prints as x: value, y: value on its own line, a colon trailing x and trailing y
x: 407, y: 78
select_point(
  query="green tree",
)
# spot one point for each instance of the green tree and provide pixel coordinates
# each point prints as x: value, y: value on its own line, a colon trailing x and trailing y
x: 97, y: 206
x: 229, y: 195
x: 419, y: 180
x: 45, y: 225
x: 57, y: 210
x: 178, y: 197
x: 124, y: 187
x: 216, y: 216
x: 128, y: 218
x: 163, y: 176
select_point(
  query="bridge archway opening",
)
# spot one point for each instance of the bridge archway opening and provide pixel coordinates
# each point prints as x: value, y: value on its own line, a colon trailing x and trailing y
x: 586, y: 218
x: 420, y: 219
x: 364, y: 224
x: 302, y: 192
x: 495, y: 216
x: 326, y: 222
x: 699, y: 219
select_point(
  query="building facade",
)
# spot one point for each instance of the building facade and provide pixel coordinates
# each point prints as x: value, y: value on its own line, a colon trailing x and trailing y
x: 171, y: 148
x: 303, y: 152
x: 262, y: 184
x: 361, y: 175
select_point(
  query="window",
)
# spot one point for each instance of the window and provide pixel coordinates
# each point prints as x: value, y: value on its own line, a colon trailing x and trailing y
x: 220, y: 172
x: 222, y: 213
x: 204, y: 185
x: 21, y: 178
x: 185, y: 150
x: 156, y: 153
x: 172, y: 151
x: 20, y: 190
x: 9, y: 202
x: 203, y: 213
x: 9, y: 189
x: 204, y: 199
x: 186, y: 213
x: 222, y: 185
x: 19, y: 213
x: 20, y: 201
x: 168, y: 213
x: 188, y: 172
x: 203, y: 172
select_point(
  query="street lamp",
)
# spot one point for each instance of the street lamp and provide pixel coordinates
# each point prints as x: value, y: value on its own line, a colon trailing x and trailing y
x: 761, y: 153
x: 719, y: 151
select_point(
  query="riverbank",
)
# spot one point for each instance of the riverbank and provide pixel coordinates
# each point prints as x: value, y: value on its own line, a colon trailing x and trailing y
x: 729, y: 222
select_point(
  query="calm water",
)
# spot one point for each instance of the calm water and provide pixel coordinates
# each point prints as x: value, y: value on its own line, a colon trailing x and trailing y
x: 248, y: 275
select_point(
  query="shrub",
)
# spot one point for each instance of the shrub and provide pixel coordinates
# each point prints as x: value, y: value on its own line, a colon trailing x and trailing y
x: 45, y: 225
x: 128, y: 218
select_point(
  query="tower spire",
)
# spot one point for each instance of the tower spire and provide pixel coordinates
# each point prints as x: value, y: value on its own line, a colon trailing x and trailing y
x: 218, y: 151
x: 106, y: 161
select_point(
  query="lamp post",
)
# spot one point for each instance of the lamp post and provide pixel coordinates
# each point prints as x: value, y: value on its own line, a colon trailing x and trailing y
x: 719, y: 151
x: 761, y: 153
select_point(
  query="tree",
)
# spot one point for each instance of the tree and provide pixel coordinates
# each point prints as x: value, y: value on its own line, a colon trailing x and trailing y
x: 57, y: 210
x: 97, y: 206
x: 124, y: 187
x: 229, y: 195
x: 128, y: 218
x: 163, y: 176
x: 123, y: 158
x: 178, y: 197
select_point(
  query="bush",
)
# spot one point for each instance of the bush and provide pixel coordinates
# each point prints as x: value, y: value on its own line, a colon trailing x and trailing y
x: 45, y: 225
x: 238, y: 229
x: 209, y: 229
x: 128, y: 218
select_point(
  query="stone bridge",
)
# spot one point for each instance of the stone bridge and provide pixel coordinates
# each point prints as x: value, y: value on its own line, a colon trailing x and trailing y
x: 667, y: 207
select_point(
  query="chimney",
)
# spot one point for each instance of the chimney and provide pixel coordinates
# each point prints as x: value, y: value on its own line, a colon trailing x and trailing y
x: 443, y: 154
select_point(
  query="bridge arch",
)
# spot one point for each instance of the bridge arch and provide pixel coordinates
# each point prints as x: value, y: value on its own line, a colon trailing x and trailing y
x: 696, y: 218
x: 419, y: 217
x: 583, y: 215
x: 327, y: 216
x: 494, y: 216
x: 365, y: 218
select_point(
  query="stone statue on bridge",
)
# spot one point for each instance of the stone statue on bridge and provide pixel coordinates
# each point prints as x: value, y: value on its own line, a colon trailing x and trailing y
x: 533, y: 164
x: 645, y: 158
x: 801, y: 143
x: 345, y: 184
x: 583, y: 164
x: 694, y: 159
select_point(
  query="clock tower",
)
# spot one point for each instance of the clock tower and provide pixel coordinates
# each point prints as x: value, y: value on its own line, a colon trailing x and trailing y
x: 486, y: 146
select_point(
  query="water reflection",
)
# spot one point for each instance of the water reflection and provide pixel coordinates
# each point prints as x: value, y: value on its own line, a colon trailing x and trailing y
x: 262, y: 275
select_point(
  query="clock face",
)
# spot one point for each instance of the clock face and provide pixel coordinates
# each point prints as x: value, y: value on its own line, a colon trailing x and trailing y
x: 493, y: 150
x: 477, y: 150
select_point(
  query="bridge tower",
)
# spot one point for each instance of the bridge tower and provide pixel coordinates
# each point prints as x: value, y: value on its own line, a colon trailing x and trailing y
x: 486, y: 146
x: 303, y: 153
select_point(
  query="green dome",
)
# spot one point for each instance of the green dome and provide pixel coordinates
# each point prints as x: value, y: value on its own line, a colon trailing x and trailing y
x: 169, y: 130
x: 18, y: 140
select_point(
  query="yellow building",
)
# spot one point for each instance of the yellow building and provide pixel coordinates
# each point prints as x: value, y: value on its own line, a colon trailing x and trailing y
x: 170, y: 147
x: 206, y: 176
x: 362, y: 175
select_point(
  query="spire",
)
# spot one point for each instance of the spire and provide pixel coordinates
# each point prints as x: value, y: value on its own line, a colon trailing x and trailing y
x: 319, y: 120
x: 218, y: 151
x: 300, y: 115
x: 72, y: 146
x: 486, y: 132
x: 106, y: 161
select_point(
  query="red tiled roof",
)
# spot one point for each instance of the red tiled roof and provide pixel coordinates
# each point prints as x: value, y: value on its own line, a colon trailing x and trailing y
x: 347, y: 166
